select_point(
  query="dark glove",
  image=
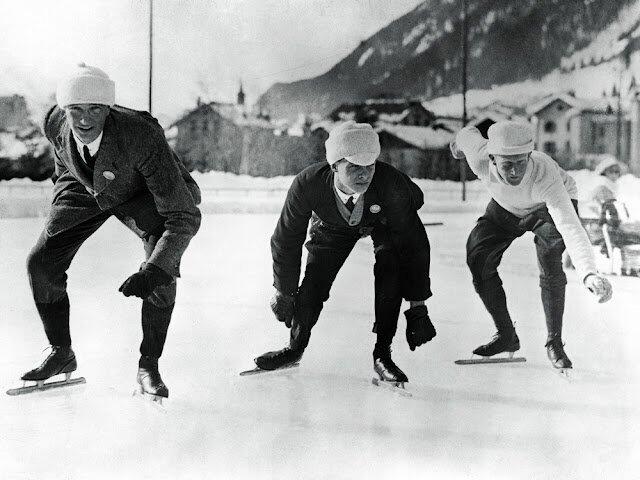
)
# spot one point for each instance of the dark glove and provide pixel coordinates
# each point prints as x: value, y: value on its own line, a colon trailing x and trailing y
x: 145, y: 281
x: 282, y: 305
x: 419, y: 328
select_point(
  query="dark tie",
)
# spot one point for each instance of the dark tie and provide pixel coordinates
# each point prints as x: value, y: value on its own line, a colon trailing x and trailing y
x: 87, y: 157
x: 350, y: 204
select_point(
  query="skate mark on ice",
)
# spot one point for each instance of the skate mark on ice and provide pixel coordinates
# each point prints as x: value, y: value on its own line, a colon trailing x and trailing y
x: 155, y: 401
x: 395, y: 387
x: 41, y: 385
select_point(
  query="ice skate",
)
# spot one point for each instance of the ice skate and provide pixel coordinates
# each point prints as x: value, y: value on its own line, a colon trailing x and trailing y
x: 500, y: 343
x: 150, y: 384
x: 277, y: 360
x: 61, y: 360
x: 557, y: 355
x: 389, y: 374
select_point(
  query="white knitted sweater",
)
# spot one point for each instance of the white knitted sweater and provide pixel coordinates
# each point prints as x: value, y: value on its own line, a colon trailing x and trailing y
x: 544, y: 183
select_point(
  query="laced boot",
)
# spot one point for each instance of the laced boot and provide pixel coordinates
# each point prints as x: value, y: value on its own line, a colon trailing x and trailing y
x: 60, y: 360
x: 556, y: 353
x: 501, y: 342
x: 149, y: 378
x: 275, y: 360
x: 386, y: 369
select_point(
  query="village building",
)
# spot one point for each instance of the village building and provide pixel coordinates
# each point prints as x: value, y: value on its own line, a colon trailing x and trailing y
x: 578, y: 132
x: 225, y: 137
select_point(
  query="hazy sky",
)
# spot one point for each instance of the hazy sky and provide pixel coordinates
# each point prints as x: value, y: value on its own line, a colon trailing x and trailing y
x: 201, y: 47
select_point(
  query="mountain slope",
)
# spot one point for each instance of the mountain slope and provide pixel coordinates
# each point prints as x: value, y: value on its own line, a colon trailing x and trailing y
x: 419, y: 53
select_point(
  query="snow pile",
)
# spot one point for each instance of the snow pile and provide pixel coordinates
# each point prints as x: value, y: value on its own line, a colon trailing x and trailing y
x: 11, y: 147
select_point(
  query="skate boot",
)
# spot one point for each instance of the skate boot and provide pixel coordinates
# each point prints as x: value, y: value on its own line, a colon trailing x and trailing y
x: 556, y: 353
x: 149, y: 380
x: 60, y: 360
x: 501, y: 342
x: 285, y: 358
x: 387, y: 370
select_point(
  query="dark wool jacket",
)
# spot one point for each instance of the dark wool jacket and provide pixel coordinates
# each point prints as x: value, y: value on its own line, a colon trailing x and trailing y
x: 136, y: 176
x: 395, y: 200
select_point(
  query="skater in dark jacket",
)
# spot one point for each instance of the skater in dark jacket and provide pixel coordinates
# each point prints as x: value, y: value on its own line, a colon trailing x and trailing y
x: 348, y: 198
x: 111, y: 160
x: 530, y: 193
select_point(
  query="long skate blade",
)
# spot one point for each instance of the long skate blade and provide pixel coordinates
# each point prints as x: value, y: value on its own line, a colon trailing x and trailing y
x: 480, y: 360
x: 395, y: 387
x: 259, y: 371
x: 38, y: 387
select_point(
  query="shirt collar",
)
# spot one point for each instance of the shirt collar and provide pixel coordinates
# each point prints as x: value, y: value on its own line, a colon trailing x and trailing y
x: 345, y: 196
x: 93, y: 146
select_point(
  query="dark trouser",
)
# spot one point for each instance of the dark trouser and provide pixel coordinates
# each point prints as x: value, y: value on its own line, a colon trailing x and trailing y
x: 51, y: 257
x: 487, y: 242
x: 328, y: 249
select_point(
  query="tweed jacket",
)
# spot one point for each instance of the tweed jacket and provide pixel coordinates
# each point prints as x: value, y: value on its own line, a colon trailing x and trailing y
x: 390, y: 211
x: 136, y: 177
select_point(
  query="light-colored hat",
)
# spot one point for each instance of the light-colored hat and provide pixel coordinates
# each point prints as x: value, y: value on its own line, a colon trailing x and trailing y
x: 356, y: 142
x: 86, y: 84
x: 509, y: 138
x: 607, y: 162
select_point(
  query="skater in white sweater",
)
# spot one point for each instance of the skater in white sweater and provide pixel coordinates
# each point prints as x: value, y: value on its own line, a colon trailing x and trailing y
x: 530, y: 192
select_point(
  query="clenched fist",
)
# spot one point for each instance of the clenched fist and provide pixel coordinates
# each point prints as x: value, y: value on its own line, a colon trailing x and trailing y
x: 420, y: 330
x: 283, y: 305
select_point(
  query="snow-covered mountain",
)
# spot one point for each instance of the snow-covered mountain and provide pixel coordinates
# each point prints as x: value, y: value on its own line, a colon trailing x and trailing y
x: 547, y: 44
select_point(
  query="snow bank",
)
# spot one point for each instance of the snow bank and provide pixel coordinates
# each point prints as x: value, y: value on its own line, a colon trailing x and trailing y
x: 229, y: 193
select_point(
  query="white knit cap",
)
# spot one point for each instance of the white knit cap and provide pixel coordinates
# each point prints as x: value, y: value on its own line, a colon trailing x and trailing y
x: 86, y: 84
x: 509, y: 138
x: 356, y: 142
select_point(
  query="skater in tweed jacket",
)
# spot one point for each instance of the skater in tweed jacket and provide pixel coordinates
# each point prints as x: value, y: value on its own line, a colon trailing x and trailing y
x: 111, y: 161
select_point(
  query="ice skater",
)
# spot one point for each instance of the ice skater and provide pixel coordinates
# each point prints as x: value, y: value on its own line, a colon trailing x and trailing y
x: 110, y: 160
x: 350, y: 197
x: 530, y: 193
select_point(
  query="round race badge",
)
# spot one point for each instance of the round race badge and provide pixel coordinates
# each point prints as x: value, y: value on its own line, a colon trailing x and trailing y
x: 108, y: 175
x: 375, y: 208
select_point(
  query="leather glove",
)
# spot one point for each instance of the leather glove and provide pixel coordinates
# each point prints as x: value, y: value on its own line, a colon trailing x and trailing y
x: 283, y: 305
x: 419, y: 327
x: 599, y: 286
x: 145, y: 281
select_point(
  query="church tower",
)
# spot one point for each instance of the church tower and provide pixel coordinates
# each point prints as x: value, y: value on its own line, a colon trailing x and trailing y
x: 240, y: 96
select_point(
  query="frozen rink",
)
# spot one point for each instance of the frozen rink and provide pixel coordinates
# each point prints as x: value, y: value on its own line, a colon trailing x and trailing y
x: 324, y: 420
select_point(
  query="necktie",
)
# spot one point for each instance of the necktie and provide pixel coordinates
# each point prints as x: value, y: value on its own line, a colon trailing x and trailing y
x: 90, y: 161
x: 350, y: 205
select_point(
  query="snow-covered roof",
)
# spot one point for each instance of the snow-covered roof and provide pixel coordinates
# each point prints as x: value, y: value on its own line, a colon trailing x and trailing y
x: 421, y: 137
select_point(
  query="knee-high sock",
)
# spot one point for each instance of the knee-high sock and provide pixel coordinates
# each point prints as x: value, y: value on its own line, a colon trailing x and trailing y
x: 495, y: 301
x: 155, y: 324
x: 55, y: 319
x: 553, y: 304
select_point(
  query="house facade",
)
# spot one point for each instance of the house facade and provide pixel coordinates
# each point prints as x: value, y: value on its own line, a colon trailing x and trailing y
x: 577, y: 132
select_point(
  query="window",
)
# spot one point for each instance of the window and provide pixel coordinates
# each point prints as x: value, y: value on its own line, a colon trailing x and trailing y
x: 550, y: 147
x: 550, y: 126
x: 567, y: 146
x: 569, y: 125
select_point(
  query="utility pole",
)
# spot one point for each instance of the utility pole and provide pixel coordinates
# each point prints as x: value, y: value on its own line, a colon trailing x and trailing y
x: 463, y: 164
x: 150, y: 52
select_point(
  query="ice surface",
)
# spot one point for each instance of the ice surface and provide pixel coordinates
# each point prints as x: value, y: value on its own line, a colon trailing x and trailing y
x: 323, y: 420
